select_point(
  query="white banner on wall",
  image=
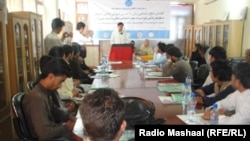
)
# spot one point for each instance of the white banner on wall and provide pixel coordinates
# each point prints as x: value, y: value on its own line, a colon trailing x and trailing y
x: 141, y: 18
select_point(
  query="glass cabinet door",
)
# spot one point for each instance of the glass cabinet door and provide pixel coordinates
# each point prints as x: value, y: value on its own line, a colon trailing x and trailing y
x: 39, y: 44
x: 198, y: 35
x: 211, y: 36
x: 225, y: 35
x: 39, y: 39
x: 206, y: 37
x: 218, y: 35
x: 19, y: 55
x: 27, y: 52
x: 34, y: 46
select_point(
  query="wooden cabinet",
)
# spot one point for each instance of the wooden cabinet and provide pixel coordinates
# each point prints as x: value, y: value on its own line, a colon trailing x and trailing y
x: 20, y: 53
x: 189, y: 43
x: 36, y: 38
x: 228, y: 34
x: 209, y: 34
x: 6, y: 129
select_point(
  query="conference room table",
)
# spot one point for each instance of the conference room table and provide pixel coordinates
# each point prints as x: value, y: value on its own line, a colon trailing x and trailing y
x: 131, y: 82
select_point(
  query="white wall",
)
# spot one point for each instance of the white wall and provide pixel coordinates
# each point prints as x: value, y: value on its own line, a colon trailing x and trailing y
x: 50, y: 12
x: 205, y: 13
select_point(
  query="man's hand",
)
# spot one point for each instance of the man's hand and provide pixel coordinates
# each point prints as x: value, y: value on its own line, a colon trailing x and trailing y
x: 200, y: 92
x: 70, y: 106
x: 70, y: 125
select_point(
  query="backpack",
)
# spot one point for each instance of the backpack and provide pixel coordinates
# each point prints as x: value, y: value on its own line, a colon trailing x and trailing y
x: 139, y: 111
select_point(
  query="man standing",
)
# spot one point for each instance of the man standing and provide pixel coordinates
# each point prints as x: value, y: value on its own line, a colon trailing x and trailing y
x: 119, y: 36
x: 79, y: 36
x: 52, y: 39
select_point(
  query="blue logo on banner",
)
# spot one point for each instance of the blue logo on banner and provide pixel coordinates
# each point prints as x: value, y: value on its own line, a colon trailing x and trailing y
x: 128, y: 3
x: 135, y: 34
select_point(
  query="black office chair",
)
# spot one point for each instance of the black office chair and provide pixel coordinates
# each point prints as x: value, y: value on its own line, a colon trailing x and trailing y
x: 234, y: 61
x: 31, y: 85
x: 19, y: 120
x: 194, y: 66
x: 201, y: 76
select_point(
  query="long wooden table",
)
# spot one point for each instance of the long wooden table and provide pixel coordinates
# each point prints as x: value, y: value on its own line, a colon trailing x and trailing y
x: 131, y: 83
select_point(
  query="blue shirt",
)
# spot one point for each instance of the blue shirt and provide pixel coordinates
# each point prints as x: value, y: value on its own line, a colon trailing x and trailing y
x: 159, y: 59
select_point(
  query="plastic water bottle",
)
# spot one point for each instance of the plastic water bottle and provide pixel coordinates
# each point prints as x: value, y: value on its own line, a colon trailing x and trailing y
x: 186, y: 93
x: 184, y: 101
x: 188, y: 80
x: 191, y: 109
x: 214, y: 115
x: 103, y: 65
x: 188, y: 83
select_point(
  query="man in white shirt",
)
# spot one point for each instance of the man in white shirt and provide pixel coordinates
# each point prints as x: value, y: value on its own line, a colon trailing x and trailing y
x: 52, y: 39
x: 78, y: 35
x: 239, y: 100
x: 119, y: 36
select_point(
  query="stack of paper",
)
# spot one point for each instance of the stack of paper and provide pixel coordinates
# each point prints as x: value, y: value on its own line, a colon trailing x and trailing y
x: 166, y: 99
x: 171, y: 99
x: 159, y: 74
x: 177, y: 87
x: 104, y: 76
x: 99, y: 71
x: 198, y: 119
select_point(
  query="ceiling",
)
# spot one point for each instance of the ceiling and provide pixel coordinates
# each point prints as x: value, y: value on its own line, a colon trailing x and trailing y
x: 179, y: 1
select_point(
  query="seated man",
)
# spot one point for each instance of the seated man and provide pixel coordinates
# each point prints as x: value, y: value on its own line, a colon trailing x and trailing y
x: 69, y: 106
x: 239, y: 99
x: 103, y: 114
x: 221, y: 87
x: 160, y: 57
x: 81, y: 58
x: 45, y: 119
x: 145, y: 49
x: 75, y: 65
x: 178, y: 67
x: 196, y: 54
x: 215, y: 53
